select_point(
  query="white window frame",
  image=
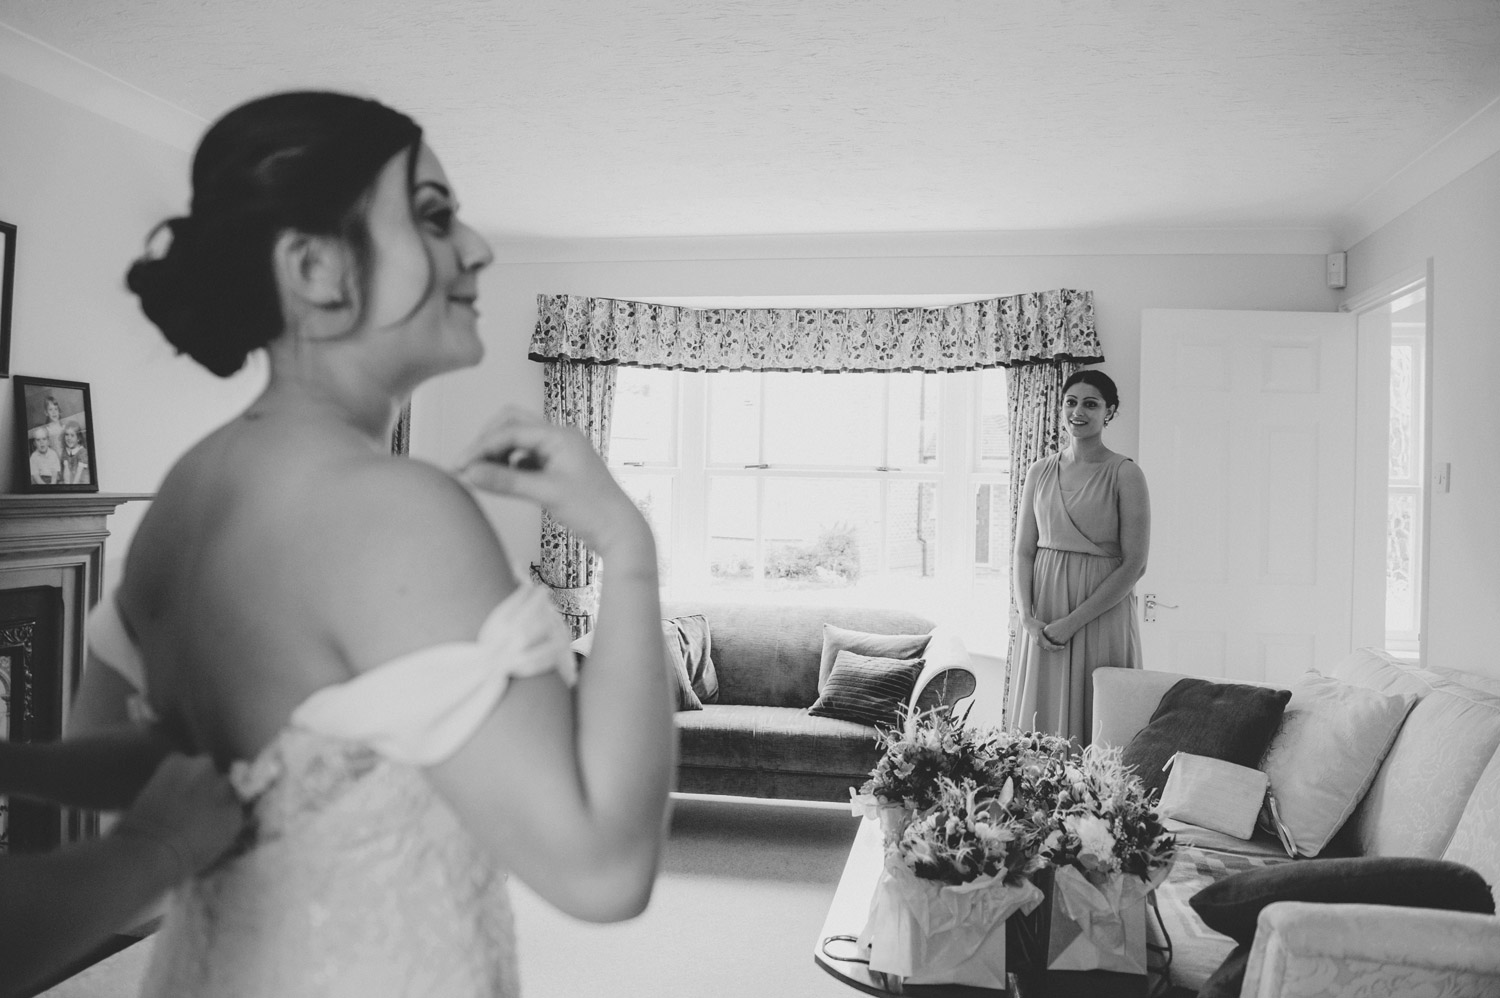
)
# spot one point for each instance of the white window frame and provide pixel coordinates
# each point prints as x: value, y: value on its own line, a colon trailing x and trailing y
x: 957, y: 474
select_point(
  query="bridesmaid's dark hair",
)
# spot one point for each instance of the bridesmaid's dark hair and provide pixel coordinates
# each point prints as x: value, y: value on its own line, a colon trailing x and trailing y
x: 304, y: 161
x: 1098, y: 379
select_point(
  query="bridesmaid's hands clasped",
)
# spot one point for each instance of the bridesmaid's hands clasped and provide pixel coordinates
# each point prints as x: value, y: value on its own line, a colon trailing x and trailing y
x: 1038, y: 630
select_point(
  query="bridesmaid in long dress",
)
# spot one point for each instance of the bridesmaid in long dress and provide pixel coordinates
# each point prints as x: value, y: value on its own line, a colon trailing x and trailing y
x: 1082, y: 535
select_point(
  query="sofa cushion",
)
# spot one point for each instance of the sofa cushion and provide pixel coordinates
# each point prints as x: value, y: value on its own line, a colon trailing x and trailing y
x: 694, y: 646
x: 683, y: 697
x: 789, y: 739
x: 1378, y: 670
x: 1233, y: 905
x: 1476, y: 840
x: 866, y: 689
x: 1421, y: 790
x: 769, y: 655
x: 1332, y: 740
x: 888, y: 646
x: 1229, y: 721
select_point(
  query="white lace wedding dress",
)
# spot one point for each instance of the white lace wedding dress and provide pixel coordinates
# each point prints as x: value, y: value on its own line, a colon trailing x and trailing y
x: 356, y: 879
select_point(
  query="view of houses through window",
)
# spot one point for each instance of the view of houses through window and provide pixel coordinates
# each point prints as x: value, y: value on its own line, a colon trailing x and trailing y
x: 852, y: 489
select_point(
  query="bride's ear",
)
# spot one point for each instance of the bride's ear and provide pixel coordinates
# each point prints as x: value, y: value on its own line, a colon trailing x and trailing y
x: 316, y: 278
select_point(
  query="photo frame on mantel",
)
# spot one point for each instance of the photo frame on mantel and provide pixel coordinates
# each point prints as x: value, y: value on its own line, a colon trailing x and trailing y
x: 54, y: 436
x: 7, y: 291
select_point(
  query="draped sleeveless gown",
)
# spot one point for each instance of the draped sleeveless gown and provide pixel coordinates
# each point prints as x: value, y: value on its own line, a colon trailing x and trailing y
x: 1078, y: 546
x: 355, y: 879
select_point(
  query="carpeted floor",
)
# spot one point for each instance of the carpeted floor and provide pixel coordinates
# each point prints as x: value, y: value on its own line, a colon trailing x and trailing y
x: 744, y: 888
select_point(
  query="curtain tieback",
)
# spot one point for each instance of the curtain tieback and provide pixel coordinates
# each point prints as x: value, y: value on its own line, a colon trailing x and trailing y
x: 576, y: 601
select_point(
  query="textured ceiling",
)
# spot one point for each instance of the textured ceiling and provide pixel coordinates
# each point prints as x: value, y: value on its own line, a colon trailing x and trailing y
x: 586, y: 118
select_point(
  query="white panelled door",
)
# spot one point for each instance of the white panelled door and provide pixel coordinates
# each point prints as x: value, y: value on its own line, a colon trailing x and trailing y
x: 1247, y: 443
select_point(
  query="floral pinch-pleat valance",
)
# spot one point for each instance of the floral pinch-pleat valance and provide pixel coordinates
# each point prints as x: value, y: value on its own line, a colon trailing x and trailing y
x: 994, y: 332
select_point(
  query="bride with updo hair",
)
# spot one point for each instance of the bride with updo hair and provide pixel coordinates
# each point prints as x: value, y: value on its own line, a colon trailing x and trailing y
x: 340, y: 628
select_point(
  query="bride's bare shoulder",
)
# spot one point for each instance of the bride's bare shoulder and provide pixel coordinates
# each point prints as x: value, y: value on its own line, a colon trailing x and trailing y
x: 393, y: 497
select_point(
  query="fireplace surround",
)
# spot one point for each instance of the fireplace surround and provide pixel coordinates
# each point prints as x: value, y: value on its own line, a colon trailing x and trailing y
x: 51, y: 575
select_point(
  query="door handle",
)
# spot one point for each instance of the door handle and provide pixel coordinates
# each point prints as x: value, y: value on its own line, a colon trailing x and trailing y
x: 1152, y: 603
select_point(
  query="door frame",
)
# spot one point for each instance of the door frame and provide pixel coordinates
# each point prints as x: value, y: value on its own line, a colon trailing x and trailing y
x: 1371, y: 433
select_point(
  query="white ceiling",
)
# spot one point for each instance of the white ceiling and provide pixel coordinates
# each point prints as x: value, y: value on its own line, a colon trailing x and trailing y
x: 582, y: 119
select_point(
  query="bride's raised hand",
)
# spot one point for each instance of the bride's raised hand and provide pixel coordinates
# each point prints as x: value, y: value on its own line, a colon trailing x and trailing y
x: 521, y: 454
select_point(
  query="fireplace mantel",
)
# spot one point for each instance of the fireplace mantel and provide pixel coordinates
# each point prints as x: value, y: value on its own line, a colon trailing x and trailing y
x: 61, y: 535
x: 57, y: 540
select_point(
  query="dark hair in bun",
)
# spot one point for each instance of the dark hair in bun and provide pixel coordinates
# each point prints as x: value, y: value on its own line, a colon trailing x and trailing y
x: 302, y: 161
x: 1103, y: 382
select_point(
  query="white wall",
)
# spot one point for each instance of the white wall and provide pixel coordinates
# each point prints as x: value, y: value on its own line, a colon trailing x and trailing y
x: 447, y: 412
x: 1458, y: 231
x: 84, y: 192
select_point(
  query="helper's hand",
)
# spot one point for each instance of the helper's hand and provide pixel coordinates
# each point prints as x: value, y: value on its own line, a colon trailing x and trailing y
x: 1038, y: 630
x: 188, y: 808
x: 520, y: 454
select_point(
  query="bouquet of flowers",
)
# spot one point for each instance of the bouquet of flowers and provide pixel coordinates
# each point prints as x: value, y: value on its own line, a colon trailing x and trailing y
x: 1109, y: 850
x: 924, y: 750
x: 953, y: 875
x: 960, y: 844
x: 929, y: 750
x: 1102, y: 822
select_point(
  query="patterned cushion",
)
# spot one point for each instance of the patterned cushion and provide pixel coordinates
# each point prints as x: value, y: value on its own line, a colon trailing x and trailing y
x: 837, y: 639
x: 1476, y: 840
x: 1332, y: 740
x: 867, y: 690
x: 1415, y: 803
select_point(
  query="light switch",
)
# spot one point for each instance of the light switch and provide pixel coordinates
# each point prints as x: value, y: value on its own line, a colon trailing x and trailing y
x: 1441, y: 474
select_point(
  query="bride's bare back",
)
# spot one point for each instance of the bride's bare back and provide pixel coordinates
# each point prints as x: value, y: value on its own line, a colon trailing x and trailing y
x: 259, y: 573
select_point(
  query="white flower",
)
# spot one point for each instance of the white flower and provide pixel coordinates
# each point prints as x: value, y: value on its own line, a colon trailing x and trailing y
x: 1093, y: 835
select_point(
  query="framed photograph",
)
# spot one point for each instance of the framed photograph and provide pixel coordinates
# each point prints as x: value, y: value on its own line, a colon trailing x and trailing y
x: 7, y: 291
x: 54, y: 436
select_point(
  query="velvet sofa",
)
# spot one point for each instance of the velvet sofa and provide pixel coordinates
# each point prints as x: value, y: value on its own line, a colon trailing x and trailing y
x: 756, y: 739
x: 1436, y: 794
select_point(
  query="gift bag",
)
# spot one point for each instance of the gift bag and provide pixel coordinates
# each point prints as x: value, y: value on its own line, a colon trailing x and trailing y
x: 893, y: 818
x: 1098, y: 926
x: 925, y: 932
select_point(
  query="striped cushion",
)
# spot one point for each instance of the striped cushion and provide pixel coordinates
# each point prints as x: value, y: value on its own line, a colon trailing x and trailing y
x: 866, y: 689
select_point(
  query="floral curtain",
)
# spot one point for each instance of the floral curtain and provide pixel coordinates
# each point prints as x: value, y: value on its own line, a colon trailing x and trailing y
x: 1041, y: 336
x: 994, y: 332
x: 1034, y: 397
x: 580, y: 395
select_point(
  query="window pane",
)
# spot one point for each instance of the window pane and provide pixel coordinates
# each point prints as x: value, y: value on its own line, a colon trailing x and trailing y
x: 1401, y: 613
x: 653, y: 497
x: 991, y: 530
x: 824, y: 420
x: 913, y: 419
x: 1403, y: 412
x: 734, y: 418
x: 820, y: 533
x: 994, y: 418
x: 645, y: 418
x: 732, y: 519
x: 911, y: 530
